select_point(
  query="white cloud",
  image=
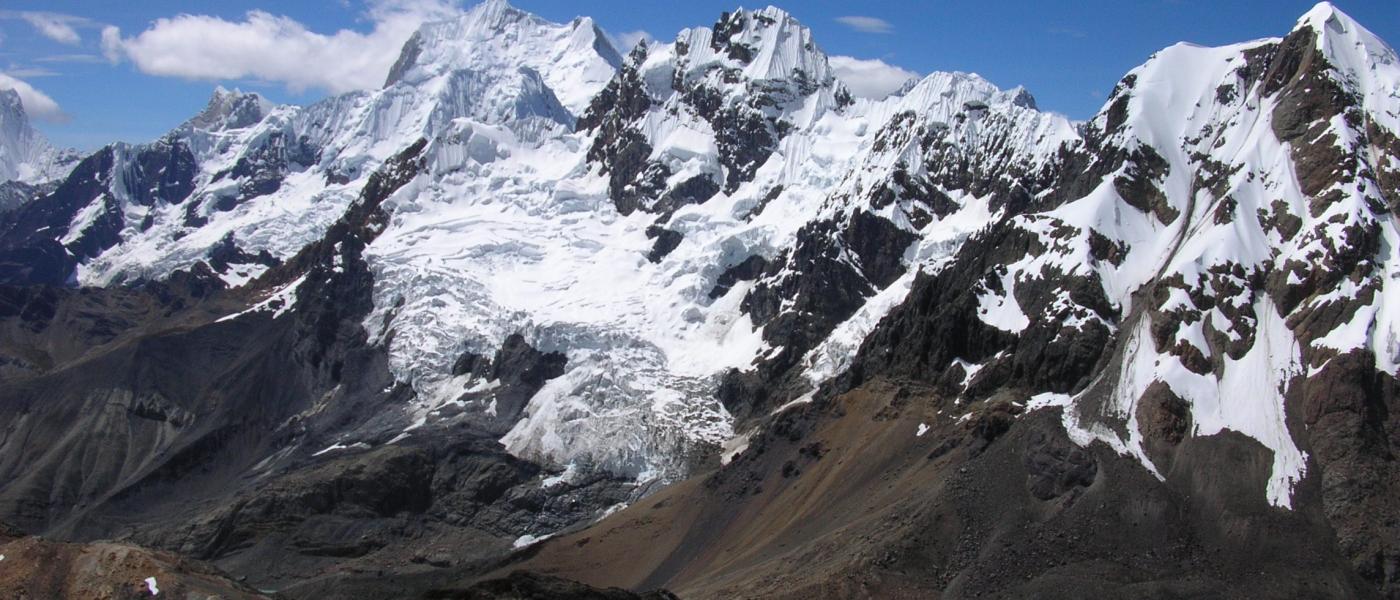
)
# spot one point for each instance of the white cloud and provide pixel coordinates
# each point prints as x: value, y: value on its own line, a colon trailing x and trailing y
x: 277, y: 49
x: 112, y: 43
x: 58, y: 27
x: 873, y: 78
x: 627, y: 40
x: 53, y: 27
x: 36, y: 104
x: 70, y: 58
x: 29, y: 72
x: 866, y: 24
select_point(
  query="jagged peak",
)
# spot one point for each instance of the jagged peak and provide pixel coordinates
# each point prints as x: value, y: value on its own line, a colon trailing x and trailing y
x: 574, y: 58
x: 958, y: 88
x: 446, y: 45
x: 10, y: 102
x: 496, y: 15
x: 587, y: 33
x: 1338, y: 32
x: 1365, y: 64
x: 764, y: 16
x: 14, y: 121
x: 25, y: 154
x: 231, y: 109
x: 767, y: 44
x: 1323, y: 15
x: 1020, y: 96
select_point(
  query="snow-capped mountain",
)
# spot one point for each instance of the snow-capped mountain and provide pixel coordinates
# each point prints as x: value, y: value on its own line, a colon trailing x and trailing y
x: 1236, y: 239
x: 25, y: 156
x: 272, y: 178
x: 608, y: 241
x: 604, y: 272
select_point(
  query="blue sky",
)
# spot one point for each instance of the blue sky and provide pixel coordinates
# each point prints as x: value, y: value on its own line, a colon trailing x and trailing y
x: 1067, y: 53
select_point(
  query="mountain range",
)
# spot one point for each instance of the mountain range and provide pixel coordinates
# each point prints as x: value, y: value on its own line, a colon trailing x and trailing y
x: 542, y: 316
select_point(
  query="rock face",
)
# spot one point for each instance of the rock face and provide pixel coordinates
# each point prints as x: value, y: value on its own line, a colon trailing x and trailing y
x: 941, y: 343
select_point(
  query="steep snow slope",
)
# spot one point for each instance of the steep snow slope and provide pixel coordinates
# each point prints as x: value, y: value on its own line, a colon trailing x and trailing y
x: 1265, y: 219
x: 25, y: 155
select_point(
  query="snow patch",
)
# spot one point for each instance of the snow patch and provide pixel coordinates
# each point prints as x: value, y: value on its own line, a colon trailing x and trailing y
x: 338, y: 446
x: 733, y: 447
x: 278, y: 302
x: 529, y: 540
x: 566, y: 476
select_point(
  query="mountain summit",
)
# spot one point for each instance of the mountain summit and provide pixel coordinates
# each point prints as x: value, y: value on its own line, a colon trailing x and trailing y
x: 574, y: 59
x: 25, y: 155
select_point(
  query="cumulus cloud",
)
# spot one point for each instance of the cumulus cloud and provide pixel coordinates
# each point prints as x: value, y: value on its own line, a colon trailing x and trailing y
x: 58, y: 27
x: 276, y: 49
x: 873, y: 78
x: 866, y: 24
x: 36, y: 104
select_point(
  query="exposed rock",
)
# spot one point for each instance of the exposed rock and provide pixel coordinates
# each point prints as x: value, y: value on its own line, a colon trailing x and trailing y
x: 666, y: 241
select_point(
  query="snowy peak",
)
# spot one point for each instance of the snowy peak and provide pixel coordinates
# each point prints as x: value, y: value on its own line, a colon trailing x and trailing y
x: 1341, y: 38
x: 1326, y: 16
x: 10, y: 105
x: 14, y: 122
x: 952, y: 92
x: 770, y: 44
x: 1223, y: 205
x: 496, y: 15
x: 233, y: 109
x: 575, y: 59
x: 25, y: 155
x: 1364, y: 64
x: 749, y: 51
x: 684, y: 121
x: 972, y: 114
